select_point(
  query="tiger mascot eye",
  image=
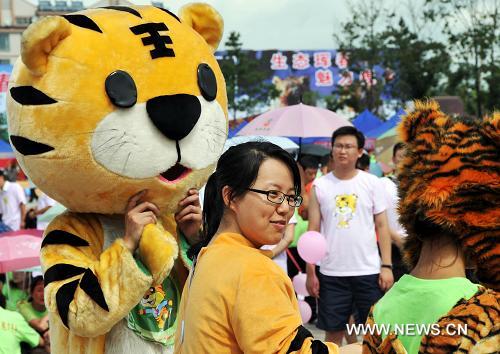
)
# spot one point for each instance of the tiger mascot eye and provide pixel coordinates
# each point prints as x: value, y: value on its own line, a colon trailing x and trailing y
x: 102, y: 104
x: 450, y: 185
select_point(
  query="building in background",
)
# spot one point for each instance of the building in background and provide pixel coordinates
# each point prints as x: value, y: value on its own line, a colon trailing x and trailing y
x: 16, y: 16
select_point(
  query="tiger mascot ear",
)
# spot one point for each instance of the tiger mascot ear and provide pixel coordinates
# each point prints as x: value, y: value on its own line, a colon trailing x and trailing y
x: 205, y: 20
x: 40, y: 39
x: 422, y: 115
x: 491, y: 127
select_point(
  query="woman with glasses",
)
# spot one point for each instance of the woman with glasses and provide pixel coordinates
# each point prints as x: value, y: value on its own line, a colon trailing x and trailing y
x: 237, y: 300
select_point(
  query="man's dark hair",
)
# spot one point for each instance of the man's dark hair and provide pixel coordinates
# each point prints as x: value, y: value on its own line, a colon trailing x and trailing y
x: 397, y: 147
x: 308, y: 162
x: 2, y: 173
x: 360, y: 138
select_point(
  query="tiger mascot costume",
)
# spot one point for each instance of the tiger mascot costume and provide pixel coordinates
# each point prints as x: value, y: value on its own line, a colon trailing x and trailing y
x: 451, y: 176
x: 102, y: 104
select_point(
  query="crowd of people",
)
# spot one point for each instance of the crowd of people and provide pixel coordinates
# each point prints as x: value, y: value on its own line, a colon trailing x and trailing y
x: 22, y: 306
x: 258, y: 215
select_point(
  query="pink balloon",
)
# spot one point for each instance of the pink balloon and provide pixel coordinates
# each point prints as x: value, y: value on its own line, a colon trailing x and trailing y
x: 305, y: 311
x: 311, y: 246
x: 299, y: 284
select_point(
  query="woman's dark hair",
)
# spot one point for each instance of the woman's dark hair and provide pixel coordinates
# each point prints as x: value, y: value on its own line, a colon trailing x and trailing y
x: 34, y: 282
x: 237, y: 168
x: 363, y: 162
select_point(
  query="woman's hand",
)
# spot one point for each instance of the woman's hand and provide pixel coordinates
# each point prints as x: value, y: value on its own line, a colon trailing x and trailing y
x: 189, y: 217
x: 138, y: 215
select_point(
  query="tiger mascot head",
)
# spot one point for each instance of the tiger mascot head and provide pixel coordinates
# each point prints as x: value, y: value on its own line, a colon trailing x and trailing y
x: 106, y: 102
x: 450, y: 182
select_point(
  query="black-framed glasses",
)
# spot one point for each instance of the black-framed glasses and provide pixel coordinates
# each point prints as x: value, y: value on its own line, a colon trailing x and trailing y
x: 278, y: 197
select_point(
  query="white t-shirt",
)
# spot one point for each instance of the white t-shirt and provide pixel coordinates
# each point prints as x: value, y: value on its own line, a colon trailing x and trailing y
x: 43, y: 201
x: 392, y: 201
x: 12, y: 195
x: 347, y: 222
x: 281, y: 259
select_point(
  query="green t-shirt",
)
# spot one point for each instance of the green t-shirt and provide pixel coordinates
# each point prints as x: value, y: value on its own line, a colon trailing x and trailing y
x: 29, y: 313
x: 13, y: 296
x: 13, y: 330
x: 421, y: 302
x: 300, y: 229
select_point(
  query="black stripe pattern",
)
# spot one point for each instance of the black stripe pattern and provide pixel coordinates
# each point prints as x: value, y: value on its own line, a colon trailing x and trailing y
x: 60, y: 237
x: 64, y: 296
x: 66, y: 293
x: 90, y: 284
x: 61, y: 271
x: 301, y: 335
x: 124, y: 9
x: 30, y: 96
x: 168, y: 12
x: 83, y: 22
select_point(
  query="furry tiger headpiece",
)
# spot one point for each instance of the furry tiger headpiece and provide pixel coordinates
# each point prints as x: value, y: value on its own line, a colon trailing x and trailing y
x: 450, y: 181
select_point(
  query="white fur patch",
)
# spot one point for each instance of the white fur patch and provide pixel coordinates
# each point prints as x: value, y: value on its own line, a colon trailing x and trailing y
x: 127, y: 143
x: 122, y: 340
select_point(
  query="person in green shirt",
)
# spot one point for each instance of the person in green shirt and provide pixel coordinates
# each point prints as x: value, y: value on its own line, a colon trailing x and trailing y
x: 33, y: 310
x: 14, y: 329
x: 449, y: 197
x: 15, y: 291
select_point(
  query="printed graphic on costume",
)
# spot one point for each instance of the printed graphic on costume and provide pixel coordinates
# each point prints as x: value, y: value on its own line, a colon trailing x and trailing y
x: 154, y: 318
x: 345, y: 209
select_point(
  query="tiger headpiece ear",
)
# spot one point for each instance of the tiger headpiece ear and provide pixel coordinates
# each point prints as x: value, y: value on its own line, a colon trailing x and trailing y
x: 450, y: 182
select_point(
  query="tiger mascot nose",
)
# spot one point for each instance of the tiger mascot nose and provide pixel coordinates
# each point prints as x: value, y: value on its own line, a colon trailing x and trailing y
x: 174, y: 115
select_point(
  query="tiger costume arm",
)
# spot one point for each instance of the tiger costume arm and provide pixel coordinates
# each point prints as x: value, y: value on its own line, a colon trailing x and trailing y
x: 91, y: 289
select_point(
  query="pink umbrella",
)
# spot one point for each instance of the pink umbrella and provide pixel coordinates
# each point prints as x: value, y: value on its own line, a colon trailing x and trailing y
x: 32, y: 232
x: 299, y: 120
x: 19, y: 252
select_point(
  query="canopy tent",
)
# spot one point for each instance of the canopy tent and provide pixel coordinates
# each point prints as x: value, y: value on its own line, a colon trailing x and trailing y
x: 366, y: 121
x: 232, y: 131
x: 6, y: 151
x: 389, y: 124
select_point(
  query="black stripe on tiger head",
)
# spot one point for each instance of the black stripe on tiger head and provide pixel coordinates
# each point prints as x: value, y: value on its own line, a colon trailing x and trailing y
x: 83, y: 22
x: 168, y: 12
x: 124, y: 9
x: 27, y: 147
x: 30, y: 96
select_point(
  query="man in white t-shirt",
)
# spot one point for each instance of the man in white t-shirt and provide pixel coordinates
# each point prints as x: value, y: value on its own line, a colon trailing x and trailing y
x: 12, y: 203
x: 348, y: 207
x: 43, y: 205
x: 398, y: 233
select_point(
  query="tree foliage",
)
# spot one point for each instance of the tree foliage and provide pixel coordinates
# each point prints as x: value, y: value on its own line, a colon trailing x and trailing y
x: 457, y: 58
x: 245, y: 83
x: 413, y: 67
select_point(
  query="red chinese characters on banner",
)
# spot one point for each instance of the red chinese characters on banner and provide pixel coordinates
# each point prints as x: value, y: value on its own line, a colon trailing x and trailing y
x: 323, y: 77
x: 4, y: 81
x: 278, y: 62
x: 366, y: 76
x: 346, y: 78
x: 342, y: 60
x: 300, y: 61
x: 322, y: 60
